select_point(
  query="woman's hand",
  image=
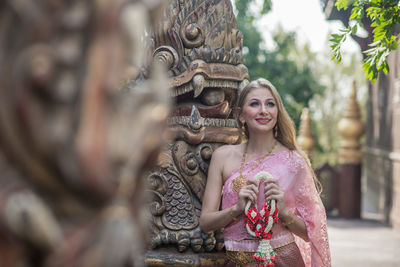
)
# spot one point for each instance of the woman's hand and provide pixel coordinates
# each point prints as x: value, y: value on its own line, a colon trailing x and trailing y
x: 246, y: 193
x: 272, y: 190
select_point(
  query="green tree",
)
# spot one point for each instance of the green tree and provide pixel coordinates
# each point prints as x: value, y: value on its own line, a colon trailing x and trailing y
x: 295, y: 82
x: 384, y: 17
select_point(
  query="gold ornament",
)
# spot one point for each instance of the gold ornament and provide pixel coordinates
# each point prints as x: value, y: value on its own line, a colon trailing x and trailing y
x: 305, y: 139
x: 244, y: 137
x: 241, y: 180
x: 276, y: 130
x: 238, y: 183
x: 351, y: 129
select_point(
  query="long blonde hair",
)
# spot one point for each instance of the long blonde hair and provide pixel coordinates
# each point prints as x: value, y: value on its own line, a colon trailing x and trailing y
x: 284, y: 129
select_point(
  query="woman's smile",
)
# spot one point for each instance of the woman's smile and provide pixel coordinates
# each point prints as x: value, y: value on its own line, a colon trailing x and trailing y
x: 263, y: 121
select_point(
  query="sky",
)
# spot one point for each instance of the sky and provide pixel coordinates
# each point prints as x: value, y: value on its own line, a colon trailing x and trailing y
x: 307, y: 19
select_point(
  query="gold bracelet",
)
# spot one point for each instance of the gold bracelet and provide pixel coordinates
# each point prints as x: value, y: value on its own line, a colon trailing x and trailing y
x: 231, y: 213
x: 291, y: 221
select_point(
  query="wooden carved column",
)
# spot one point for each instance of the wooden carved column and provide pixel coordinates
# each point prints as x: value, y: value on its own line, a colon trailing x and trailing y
x: 305, y: 139
x: 200, y: 44
x: 350, y: 156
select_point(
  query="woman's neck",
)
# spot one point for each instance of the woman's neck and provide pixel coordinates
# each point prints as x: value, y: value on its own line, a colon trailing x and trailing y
x: 260, y: 144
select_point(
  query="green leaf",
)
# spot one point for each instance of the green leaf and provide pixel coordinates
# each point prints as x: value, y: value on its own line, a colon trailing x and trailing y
x: 381, y: 60
x: 385, y: 17
x: 354, y: 29
x: 394, y: 45
x: 344, y: 4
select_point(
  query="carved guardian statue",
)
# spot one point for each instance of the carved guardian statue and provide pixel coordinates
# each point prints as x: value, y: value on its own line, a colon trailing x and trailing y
x: 200, y: 44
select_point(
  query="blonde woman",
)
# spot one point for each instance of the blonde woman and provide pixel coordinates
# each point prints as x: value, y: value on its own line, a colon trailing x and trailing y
x: 299, y: 237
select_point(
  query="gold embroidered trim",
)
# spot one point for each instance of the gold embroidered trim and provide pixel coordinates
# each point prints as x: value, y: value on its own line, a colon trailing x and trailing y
x: 240, y: 258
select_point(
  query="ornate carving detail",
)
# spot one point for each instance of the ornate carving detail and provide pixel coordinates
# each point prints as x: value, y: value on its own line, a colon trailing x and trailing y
x: 201, y: 46
x: 199, y: 29
x: 167, y: 55
x: 202, y: 122
x: 175, y: 213
x: 203, y: 154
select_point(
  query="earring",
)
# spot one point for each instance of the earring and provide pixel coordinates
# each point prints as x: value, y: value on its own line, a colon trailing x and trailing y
x: 243, y: 129
x: 276, y: 131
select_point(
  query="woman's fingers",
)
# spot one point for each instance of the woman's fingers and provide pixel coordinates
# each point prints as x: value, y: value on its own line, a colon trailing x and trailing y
x: 274, y: 194
x: 271, y: 190
x: 250, y: 194
x: 271, y: 181
x: 277, y: 197
x: 252, y: 187
x: 252, y: 182
x: 270, y: 186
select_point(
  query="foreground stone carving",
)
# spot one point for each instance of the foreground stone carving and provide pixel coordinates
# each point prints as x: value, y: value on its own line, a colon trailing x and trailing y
x: 73, y: 147
x: 200, y: 44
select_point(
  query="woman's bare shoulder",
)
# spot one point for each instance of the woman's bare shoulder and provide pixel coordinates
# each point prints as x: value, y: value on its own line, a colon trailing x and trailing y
x: 226, y: 150
x: 228, y: 158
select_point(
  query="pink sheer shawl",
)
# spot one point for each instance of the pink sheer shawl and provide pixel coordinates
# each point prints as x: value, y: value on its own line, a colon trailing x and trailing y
x: 301, y: 197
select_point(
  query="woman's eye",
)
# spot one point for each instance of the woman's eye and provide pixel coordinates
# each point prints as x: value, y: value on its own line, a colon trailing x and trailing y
x: 253, y: 104
x: 271, y: 104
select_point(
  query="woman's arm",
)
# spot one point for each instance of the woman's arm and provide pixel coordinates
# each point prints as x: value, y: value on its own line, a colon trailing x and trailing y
x: 295, y: 224
x: 212, y: 218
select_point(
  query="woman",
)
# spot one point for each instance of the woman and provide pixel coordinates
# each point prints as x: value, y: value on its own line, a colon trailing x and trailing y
x: 300, y: 236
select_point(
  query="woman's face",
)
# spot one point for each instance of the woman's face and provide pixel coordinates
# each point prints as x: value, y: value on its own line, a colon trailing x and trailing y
x: 259, y: 111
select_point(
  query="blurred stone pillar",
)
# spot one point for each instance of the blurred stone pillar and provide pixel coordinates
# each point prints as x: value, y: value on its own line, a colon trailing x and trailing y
x: 305, y: 139
x: 350, y: 156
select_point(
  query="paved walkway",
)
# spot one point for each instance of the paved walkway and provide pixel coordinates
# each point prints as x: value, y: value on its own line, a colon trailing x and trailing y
x: 356, y: 243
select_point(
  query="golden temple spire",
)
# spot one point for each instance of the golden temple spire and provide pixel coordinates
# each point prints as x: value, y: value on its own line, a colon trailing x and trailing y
x: 305, y: 139
x: 351, y: 129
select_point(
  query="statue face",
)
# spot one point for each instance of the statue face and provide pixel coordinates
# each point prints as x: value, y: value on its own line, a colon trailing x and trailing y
x: 201, y: 46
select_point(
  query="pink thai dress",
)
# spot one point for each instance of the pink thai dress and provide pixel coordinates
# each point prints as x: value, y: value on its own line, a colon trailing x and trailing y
x: 301, y: 198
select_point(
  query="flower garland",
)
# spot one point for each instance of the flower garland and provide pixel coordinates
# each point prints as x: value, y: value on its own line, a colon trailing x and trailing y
x: 259, y: 224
